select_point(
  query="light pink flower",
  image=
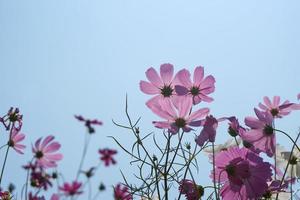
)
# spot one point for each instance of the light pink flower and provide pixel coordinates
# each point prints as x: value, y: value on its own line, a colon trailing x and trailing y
x: 107, y: 156
x: 71, y: 189
x: 161, y: 86
x: 243, y: 174
x: 177, y: 114
x: 45, y: 152
x: 122, y: 193
x: 199, y: 89
x: 261, y: 135
x: 54, y: 197
x: 16, y: 138
x: 276, y: 109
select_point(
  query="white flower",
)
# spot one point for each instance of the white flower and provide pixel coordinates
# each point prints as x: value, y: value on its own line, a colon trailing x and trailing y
x: 221, y: 147
x: 282, y: 158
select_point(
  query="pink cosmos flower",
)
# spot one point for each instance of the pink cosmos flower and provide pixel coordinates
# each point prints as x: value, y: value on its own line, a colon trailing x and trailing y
x: 107, y: 156
x: 71, y: 189
x: 45, y: 152
x: 276, y: 109
x: 243, y: 174
x: 88, y: 123
x: 275, y: 187
x: 15, y: 139
x: 191, y: 190
x: 13, y: 119
x: 35, y: 197
x: 261, y: 135
x: 234, y: 128
x: 161, y: 86
x: 40, y: 179
x: 199, y: 89
x: 177, y: 114
x: 122, y: 193
x: 208, y: 133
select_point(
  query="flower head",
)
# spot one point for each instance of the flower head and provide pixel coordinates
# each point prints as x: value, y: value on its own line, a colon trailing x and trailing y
x: 89, y: 123
x: 40, y: 179
x: 261, y: 135
x: 13, y: 119
x: 208, y: 133
x: 243, y: 173
x: 15, y: 139
x: 177, y: 114
x: 199, y: 89
x: 191, y: 190
x: 35, y: 197
x: 122, y: 193
x: 45, y: 152
x: 107, y: 156
x: 161, y: 86
x: 5, y: 195
x: 284, y: 157
x: 71, y: 189
x: 234, y: 128
x: 276, y: 109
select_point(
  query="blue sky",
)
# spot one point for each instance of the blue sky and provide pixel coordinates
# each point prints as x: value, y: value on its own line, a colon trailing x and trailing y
x: 60, y: 58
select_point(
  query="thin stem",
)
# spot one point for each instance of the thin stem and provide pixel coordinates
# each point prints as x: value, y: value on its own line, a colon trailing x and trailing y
x: 6, y: 154
x: 3, y: 146
x: 237, y: 144
x: 176, y: 150
x: 275, y: 156
x: 157, y: 181
x: 294, y: 142
x: 187, y: 167
x: 166, y: 167
x: 86, y: 144
x: 3, y: 166
x: 214, y: 171
x: 288, y: 163
x: 292, y: 183
x: 26, y: 184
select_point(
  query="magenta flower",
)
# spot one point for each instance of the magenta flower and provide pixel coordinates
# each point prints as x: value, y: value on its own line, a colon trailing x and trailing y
x: 208, y: 133
x: 161, y: 86
x: 89, y: 122
x: 5, y: 195
x: 261, y: 135
x: 177, y: 114
x: 71, y: 189
x: 13, y: 119
x: 243, y: 174
x: 122, y: 193
x: 40, y: 179
x: 276, y: 109
x: 191, y: 190
x: 107, y: 156
x: 45, y: 152
x: 199, y: 89
x: 35, y: 197
x: 15, y: 139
